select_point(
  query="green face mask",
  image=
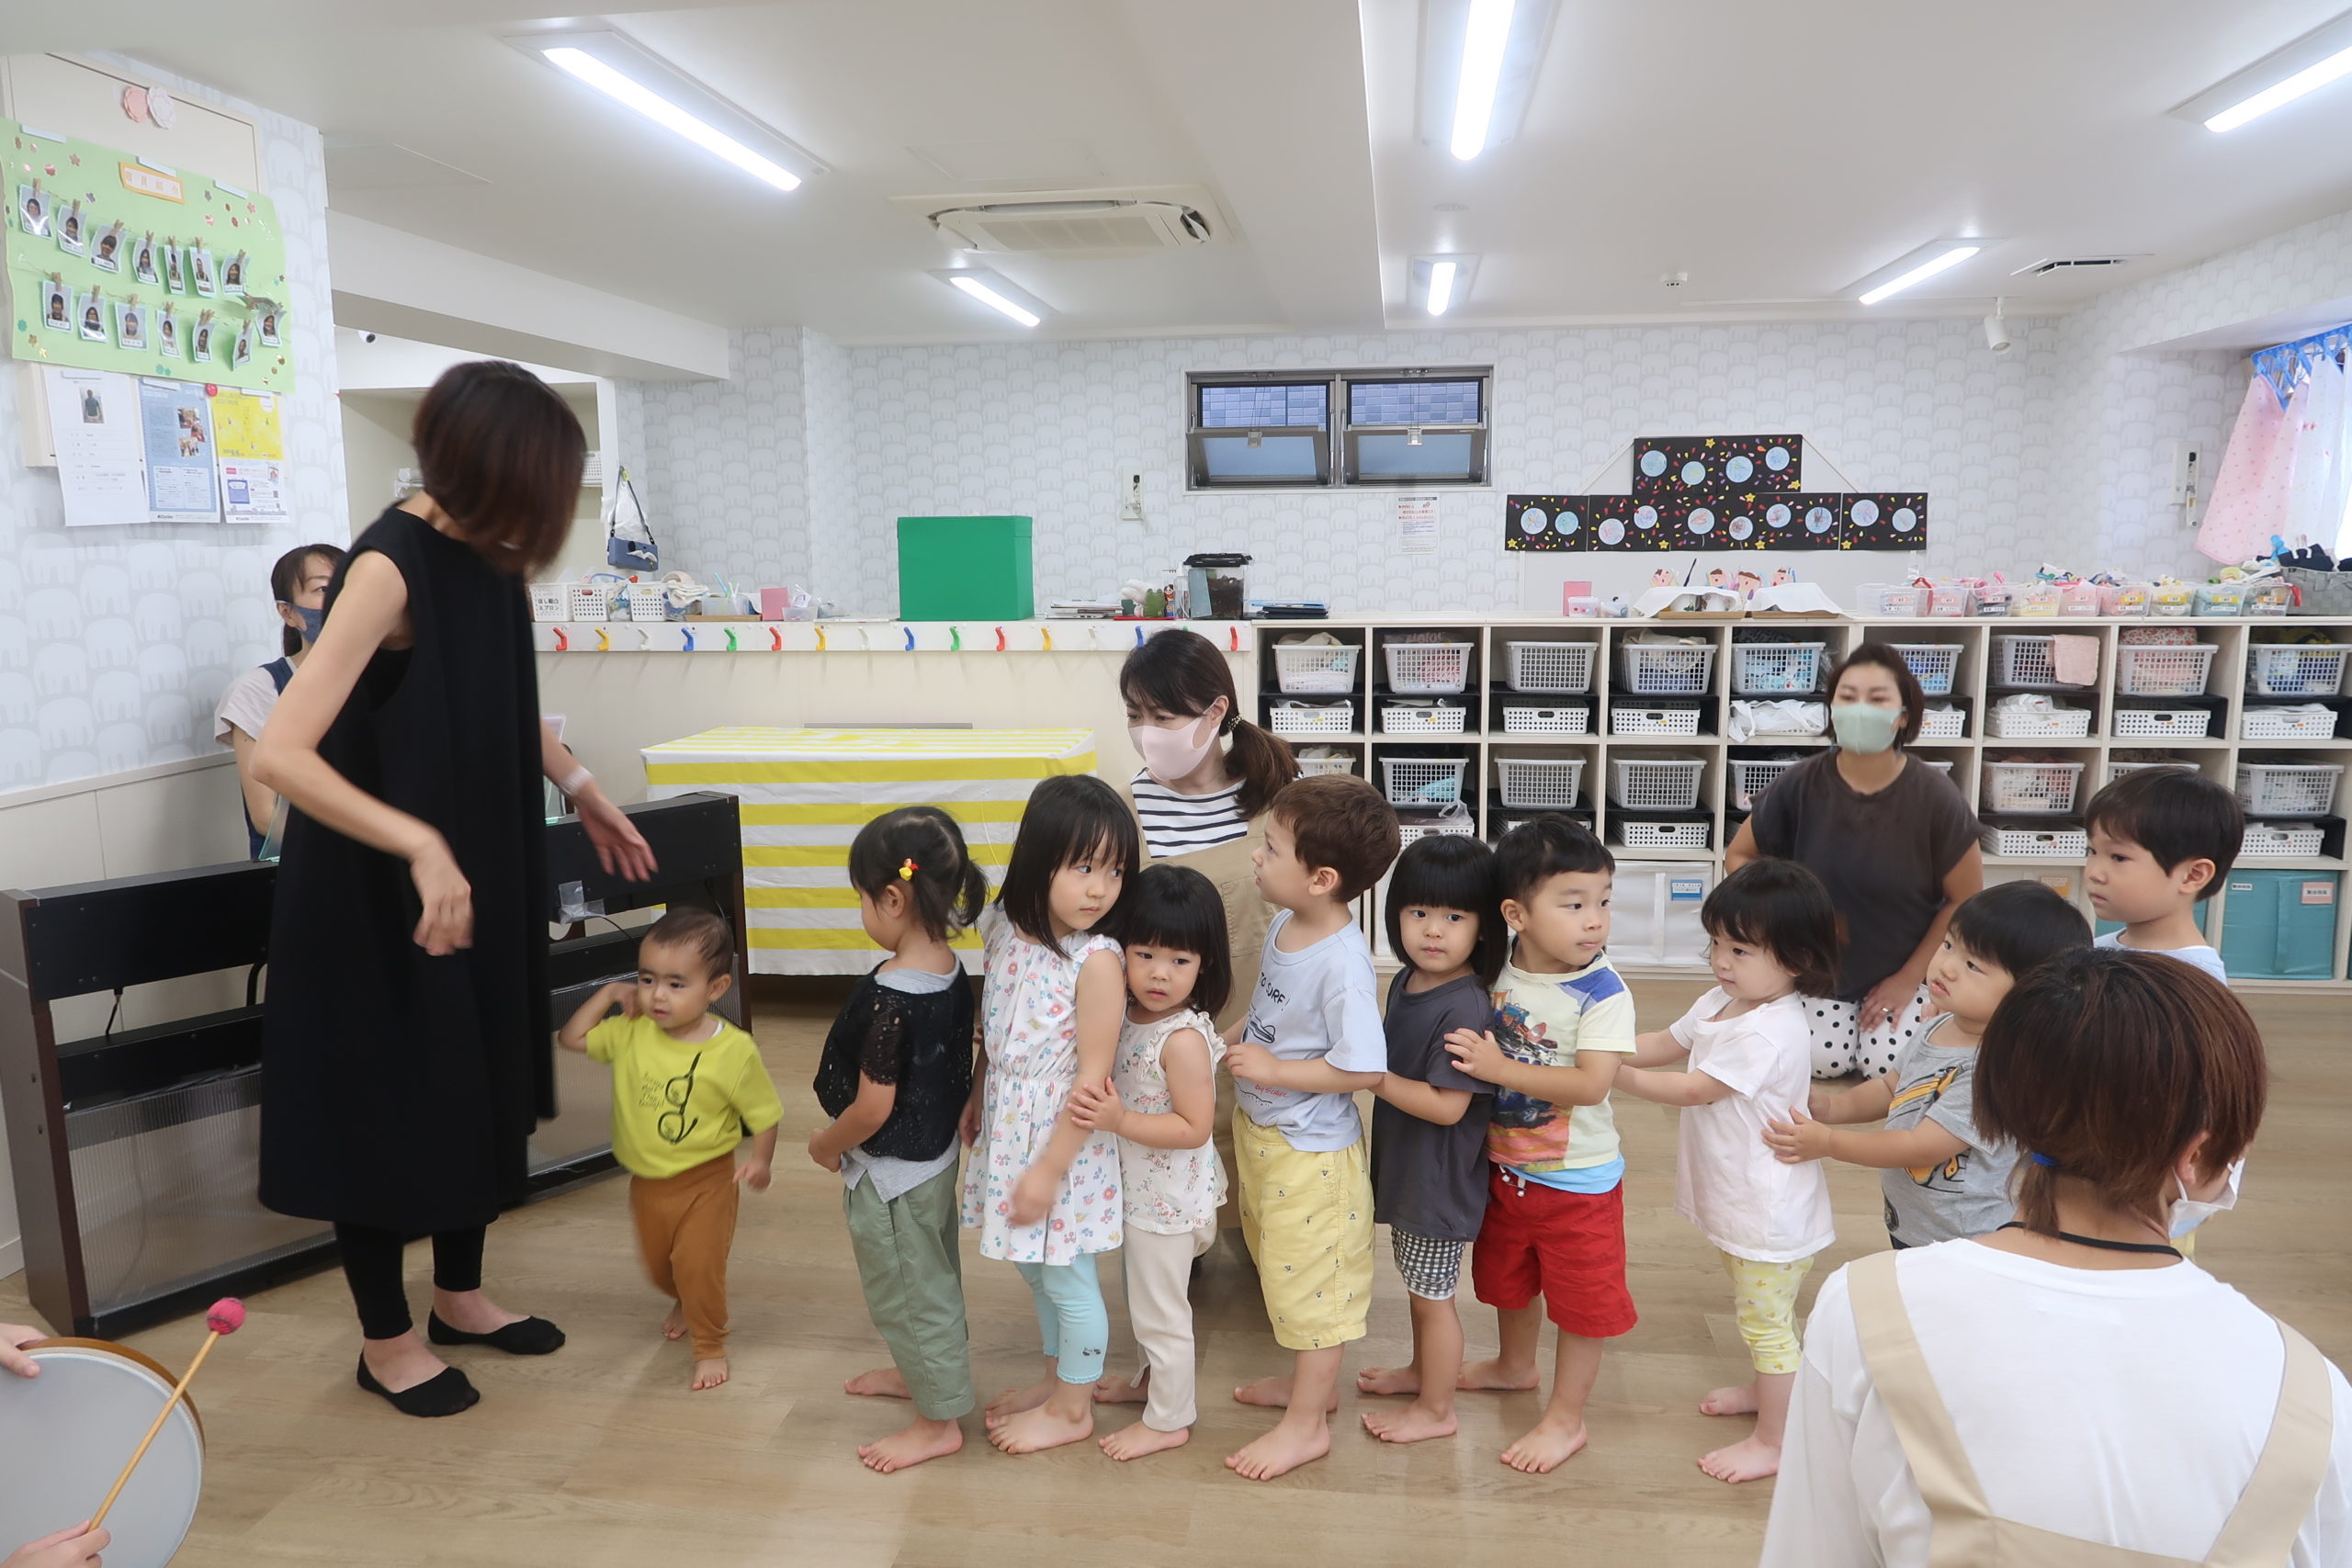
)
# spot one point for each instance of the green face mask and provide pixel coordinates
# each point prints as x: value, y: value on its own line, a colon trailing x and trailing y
x: 1860, y: 728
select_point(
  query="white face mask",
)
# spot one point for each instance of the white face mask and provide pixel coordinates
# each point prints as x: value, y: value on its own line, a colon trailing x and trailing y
x: 1172, y: 754
x: 2189, y: 1212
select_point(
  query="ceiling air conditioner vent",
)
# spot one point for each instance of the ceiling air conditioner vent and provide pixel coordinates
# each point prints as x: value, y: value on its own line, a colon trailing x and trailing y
x: 2049, y: 265
x: 1075, y: 227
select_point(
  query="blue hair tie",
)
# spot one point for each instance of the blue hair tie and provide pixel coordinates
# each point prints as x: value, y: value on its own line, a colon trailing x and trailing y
x: 2044, y: 1161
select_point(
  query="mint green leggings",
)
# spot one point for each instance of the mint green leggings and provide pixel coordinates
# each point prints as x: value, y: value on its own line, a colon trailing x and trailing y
x: 1070, y: 1316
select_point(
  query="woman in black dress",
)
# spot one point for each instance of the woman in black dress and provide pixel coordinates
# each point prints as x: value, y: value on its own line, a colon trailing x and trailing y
x: 407, y: 1046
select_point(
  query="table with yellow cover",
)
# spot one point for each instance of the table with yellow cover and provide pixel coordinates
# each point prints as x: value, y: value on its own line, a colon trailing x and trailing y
x: 805, y: 793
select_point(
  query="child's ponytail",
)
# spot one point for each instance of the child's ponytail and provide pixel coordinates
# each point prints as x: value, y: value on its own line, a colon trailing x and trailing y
x: 919, y: 848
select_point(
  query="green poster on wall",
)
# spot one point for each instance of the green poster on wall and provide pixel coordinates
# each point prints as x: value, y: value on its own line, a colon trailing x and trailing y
x: 116, y: 264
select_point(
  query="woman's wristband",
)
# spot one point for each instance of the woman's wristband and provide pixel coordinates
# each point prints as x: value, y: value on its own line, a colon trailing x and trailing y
x: 573, y: 782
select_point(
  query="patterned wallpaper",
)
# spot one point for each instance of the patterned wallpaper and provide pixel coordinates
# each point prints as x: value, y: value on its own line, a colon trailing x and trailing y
x: 115, y: 643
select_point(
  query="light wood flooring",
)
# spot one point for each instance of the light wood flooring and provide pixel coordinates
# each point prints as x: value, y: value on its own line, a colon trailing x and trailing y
x: 599, y: 1457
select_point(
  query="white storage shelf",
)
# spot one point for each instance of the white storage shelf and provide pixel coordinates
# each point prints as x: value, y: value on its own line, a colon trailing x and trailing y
x: 1975, y: 668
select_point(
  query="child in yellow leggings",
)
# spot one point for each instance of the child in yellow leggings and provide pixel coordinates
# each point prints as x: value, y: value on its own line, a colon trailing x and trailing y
x: 1772, y: 939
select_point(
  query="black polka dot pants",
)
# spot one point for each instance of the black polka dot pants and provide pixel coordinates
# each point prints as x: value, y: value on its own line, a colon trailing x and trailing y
x: 1840, y: 1045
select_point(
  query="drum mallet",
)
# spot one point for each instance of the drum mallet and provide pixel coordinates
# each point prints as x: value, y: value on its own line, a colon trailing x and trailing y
x: 224, y: 1316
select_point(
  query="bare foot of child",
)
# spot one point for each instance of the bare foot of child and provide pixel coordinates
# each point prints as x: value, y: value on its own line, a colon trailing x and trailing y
x: 1413, y: 1424
x: 1388, y: 1380
x: 882, y: 1383
x: 675, y: 1325
x: 1752, y: 1459
x: 1547, y: 1445
x: 1496, y: 1377
x: 1133, y: 1442
x: 910, y: 1445
x: 1280, y: 1452
x: 1738, y: 1401
x: 1124, y: 1391
x: 1275, y: 1395
x: 709, y: 1372
x: 1041, y: 1426
x: 1013, y: 1401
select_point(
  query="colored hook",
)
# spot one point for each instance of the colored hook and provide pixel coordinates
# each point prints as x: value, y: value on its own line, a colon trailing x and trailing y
x: 954, y: 639
x: 821, y: 639
x: 1000, y: 640
x: 689, y: 634
x: 910, y: 638
x: 1138, y: 637
x: 776, y: 639
x: 1233, y: 639
x: 563, y: 643
x: 1046, y: 635
x: 603, y: 643
x: 731, y: 641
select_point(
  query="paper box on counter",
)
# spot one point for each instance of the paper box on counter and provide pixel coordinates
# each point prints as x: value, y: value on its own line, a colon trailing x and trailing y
x: 965, y: 569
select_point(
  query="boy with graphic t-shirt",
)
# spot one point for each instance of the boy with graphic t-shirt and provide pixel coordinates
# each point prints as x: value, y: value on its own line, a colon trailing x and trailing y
x: 1556, y: 1208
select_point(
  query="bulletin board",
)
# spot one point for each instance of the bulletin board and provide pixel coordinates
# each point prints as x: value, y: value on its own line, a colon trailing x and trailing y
x: 225, y: 240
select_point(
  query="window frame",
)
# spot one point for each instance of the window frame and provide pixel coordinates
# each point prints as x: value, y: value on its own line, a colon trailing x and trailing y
x: 1337, y: 436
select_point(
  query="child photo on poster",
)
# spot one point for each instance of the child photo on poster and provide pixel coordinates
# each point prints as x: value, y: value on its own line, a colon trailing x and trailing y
x: 241, y: 348
x: 199, y: 340
x: 167, y: 334
x: 199, y: 271
x: 70, y: 237
x: 271, y: 318
x: 105, y: 251
x: 232, y: 275
x: 142, y: 262
x: 56, y: 305
x: 130, y: 324
x: 32, y: 210
x: 91, y: 311
x: 175, y: 269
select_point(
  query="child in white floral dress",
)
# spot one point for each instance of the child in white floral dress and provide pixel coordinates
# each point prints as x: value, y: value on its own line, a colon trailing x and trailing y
x: 1163, y: 1104
x: 1043, y: 1191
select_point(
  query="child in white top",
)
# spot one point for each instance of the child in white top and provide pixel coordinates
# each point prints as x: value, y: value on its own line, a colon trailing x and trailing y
x: 1161, y: 1101
x: 1773, y: 938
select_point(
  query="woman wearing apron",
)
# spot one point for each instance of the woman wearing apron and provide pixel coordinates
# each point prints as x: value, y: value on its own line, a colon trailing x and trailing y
x: 1202, y: 804
x: 299, y: 583
x: 2069, y: 1392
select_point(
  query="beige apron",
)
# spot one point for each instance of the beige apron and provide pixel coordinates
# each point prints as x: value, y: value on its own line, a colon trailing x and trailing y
x: 1246, y: 915
x: 2261, y: 1529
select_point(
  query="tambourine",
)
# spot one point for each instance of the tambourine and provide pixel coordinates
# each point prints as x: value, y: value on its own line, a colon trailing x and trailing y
x: 64, y: 1437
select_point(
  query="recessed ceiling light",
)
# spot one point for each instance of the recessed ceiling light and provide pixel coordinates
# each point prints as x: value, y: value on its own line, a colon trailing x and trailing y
x: 1440, y: 283
x: 627, y: 73
x: 1483, y: 37
x: 1441, y: 287
x: 2309, y: 79
x: 1918, y: 267
x: 996, y: 291
x: 1477, y: 70
x: 2311, y: 62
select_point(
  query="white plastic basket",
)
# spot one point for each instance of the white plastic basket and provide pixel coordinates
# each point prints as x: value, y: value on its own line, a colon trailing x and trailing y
x: 1312, y: 719
x: 2031, y: 789
x: 1941, y: 764
x: 1316, y: 667
x: 646, y: 602
x: 1665, y: 835
x: 2285, y: 724
x: 1423, y: 781
x: 1314, y: 767
x: 550, y: 601
x: 1667, y: 669
x: 1521, y: 719
x: 1775, y: 669
x: 1943, y: 724
x: 2116, y: 770
x: 1407, y: 831
x: 1893, y: 599
x: 2160, y: 724
x: 1656, y: 783
x: 1560, y: 669
x: 1428, y: 669
x: 1751, y: 776
x: 2038, y: 843
x: 1936, y: 664
x: 1539, y: 783
x: 2288, y: 789
x: 590, y: 601
x: 1396, y: 718
x: 2294, y: 670
x: 2272, y: 840
x: 1653, y: 721
x: 2163, y: 672
x: 2062, y: 724
x: 2027, y: 661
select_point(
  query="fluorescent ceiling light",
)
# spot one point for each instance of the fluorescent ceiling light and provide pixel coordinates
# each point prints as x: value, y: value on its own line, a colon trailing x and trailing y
x: 2319, y: 56
x: 996, y: 291
x: 1950, y: 254
x: 1478, y: 65
x: 623, y: 71
x: 1440, y: 286
x: 1439, y: 283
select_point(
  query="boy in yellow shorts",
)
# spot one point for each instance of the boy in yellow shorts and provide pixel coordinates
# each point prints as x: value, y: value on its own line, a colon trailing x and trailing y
x: 1313, y: 1038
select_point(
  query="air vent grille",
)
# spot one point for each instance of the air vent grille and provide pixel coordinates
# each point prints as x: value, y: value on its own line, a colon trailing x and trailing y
x: 2070, y: 263
x: 1078, y: 226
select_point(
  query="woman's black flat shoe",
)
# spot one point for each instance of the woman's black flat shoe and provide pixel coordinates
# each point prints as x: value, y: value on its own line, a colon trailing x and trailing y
x: 532, y: 1337
x: 444, y: 1395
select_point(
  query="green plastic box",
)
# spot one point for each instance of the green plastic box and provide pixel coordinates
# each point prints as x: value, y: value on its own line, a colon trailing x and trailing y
x: 964, y: 569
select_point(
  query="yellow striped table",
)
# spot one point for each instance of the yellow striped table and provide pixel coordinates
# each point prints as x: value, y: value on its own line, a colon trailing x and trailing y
x: 805, y: 793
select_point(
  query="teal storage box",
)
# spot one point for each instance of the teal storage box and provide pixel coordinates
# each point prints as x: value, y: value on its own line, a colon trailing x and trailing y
x: 964, y: 569
x: 2279, y: 925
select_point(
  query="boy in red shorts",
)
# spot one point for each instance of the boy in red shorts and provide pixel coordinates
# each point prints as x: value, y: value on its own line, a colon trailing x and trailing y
x: 1555, y: 1209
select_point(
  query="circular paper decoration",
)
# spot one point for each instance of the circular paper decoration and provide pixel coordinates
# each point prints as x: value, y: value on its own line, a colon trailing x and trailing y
x: 1864, y: 513
x: 1611, y: 532
x: 1531, y: 520
x: 162, y: 107
x: 1778, y: 515
x: 1905, y: 520
x: 1701, y: 520
x: 1645, y: 517
x: 1740, y: 469
x: 1740, y: 528
x: 1567, y: 523
x: 134, y: 103
x: 1653, y: 463
x: 1694, y: 472
x: 1775, y: 459
x: 1818, y: 520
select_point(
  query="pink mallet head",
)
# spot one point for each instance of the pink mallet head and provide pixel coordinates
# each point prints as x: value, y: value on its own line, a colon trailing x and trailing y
x: 226, y: 1315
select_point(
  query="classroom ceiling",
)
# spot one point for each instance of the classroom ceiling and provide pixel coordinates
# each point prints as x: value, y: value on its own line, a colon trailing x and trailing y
x: 1776, y: 154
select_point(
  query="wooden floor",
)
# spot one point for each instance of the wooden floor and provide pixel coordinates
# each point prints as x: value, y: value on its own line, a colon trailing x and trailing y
x: 599, y: 1456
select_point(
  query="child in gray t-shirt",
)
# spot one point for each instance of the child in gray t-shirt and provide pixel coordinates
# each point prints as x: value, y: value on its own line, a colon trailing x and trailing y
x: 1943, y: 1179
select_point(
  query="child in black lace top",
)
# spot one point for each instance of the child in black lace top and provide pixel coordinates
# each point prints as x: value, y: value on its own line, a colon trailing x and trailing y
x: 895, y: 1076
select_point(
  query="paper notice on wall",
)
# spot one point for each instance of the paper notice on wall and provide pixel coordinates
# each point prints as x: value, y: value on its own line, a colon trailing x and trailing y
x: 251, y: 443
x: 95, y: 417
x: 175, y: 428
x: 1417, y: 524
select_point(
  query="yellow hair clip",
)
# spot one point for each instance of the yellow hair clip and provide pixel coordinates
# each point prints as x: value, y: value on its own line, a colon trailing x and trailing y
x: 907, y: 870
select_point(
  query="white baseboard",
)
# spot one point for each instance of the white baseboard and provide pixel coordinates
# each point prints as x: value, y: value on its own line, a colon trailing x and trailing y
x: 12, y: 1256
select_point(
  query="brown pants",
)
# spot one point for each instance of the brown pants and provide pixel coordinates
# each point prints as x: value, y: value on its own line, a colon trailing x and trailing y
x: 685, y: 1225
